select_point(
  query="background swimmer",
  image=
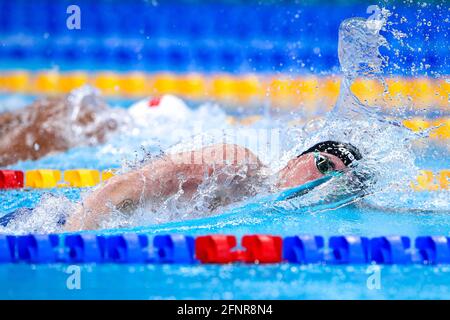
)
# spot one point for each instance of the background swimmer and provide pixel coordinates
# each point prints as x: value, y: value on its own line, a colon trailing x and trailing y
x: 237, y: 171
x: 83, y: 117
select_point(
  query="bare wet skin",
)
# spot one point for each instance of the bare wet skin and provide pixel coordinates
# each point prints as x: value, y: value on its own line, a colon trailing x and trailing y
x: 49, y: 125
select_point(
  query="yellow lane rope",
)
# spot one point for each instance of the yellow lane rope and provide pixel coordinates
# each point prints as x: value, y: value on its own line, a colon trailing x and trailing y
x: 309, y: 92
x: 427, y: 180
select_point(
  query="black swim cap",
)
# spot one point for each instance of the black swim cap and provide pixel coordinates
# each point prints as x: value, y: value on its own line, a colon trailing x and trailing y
x: 344, y: 151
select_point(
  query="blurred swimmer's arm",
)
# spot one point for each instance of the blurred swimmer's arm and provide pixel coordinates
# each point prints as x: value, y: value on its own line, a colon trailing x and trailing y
x: 163, y: 178
x: 27, y: 133
x: 50, y: 125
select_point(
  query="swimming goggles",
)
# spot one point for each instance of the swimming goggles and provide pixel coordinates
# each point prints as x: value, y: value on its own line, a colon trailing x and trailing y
x: 323, y: 163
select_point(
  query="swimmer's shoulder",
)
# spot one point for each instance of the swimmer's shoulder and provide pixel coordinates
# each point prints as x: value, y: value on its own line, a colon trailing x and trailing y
x: 230, y: 154
x: 216, y: 154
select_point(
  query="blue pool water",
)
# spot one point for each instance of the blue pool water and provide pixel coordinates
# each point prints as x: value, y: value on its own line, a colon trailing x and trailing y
x: 224, y: 282
x: 282, y: 281
x: 388, y: 212
x: 393, y: 154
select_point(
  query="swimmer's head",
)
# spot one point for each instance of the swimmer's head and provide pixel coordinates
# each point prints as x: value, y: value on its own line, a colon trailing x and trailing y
x: 346, y: 152
x: 318, y: 161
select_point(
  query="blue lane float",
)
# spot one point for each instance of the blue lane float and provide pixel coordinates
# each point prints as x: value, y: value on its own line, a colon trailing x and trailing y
x: 128, y: 248
x: 7, y: 249
x: 348, y: 250
x: 83, y: 248
x: 303, y: 249
x: 134, y: 248
x: 37, y: 248
x: 175, y: 249
x: 391, y: 250
x: 434, y: 250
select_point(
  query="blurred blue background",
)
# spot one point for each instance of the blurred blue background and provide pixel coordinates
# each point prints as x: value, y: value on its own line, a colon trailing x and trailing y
x: 212, y: 36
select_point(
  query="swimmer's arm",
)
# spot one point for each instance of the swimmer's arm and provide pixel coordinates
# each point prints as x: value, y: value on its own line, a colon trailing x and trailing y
x: 158, y: 180
x: 36, y: 130
x: 28, y: 134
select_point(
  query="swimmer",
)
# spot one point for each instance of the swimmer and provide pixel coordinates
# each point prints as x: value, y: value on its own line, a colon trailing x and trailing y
x: 235, y: 168
x: 52, y: 125
x: 57, y: 124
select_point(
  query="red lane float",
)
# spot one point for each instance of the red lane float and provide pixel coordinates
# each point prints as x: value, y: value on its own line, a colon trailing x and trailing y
x: 154, y: 102
x: 11, y: 179
x: 221, y: 249
x: 216, y: 249
x: 262, y: 249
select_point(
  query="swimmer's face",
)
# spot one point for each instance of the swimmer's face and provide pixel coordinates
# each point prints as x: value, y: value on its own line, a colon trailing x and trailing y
x: 304, y: 168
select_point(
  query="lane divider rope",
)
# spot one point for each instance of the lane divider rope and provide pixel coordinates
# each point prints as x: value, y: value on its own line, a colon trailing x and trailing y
x: 427, y: 180
x: 309, y: 92
x: 48, y: 178
x: 223, y: 249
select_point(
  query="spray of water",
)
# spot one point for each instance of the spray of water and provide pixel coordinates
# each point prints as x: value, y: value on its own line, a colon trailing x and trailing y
x: 385, y: 143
